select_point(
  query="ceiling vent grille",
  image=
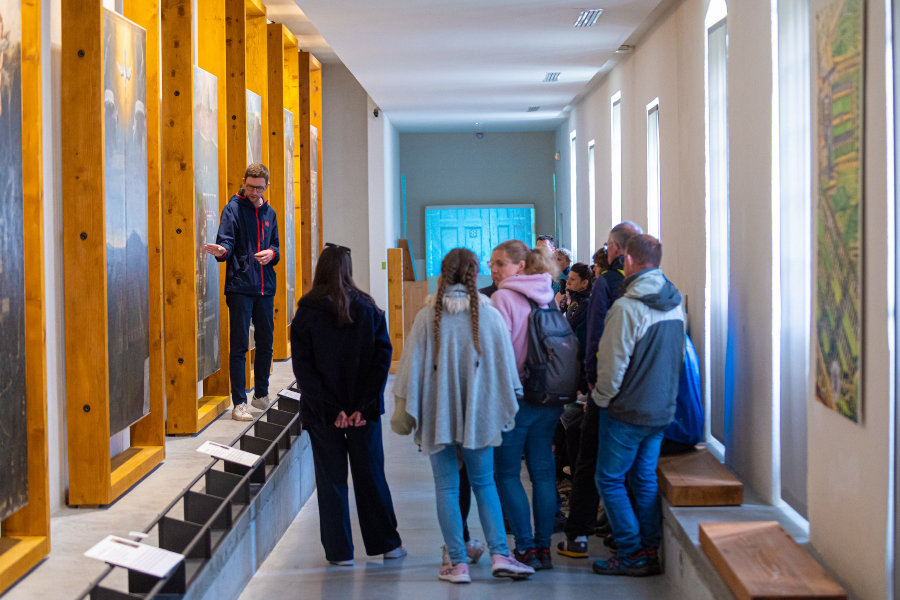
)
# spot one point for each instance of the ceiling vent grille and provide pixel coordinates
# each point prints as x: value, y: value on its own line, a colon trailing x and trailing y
x: 551, y: 77
x: 588, y: 17
x: 533, y: 108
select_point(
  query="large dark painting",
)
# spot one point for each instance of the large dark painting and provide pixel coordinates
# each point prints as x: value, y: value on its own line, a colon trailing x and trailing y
x: 206, y: 207
x: 13, y: 439
x: 127, y: 277
x: 289, y: 200
x: 314, y: 194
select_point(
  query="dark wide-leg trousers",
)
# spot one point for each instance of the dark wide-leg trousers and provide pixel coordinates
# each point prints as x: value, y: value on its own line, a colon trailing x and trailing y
x: 363, y: 446
x: 584, y: 499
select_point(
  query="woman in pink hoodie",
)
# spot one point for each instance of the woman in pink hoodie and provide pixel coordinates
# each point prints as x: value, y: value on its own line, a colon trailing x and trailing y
x: 526, y: 274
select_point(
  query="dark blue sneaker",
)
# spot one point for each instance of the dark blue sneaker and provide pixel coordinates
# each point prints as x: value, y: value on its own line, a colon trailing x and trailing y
x: 653, y: 560
x: 636, y: 565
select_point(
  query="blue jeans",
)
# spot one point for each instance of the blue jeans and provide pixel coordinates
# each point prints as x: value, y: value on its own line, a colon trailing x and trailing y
x: 242, y: 310
x: 630, y: 451
x: 533, y: 436
x: 480, y: 467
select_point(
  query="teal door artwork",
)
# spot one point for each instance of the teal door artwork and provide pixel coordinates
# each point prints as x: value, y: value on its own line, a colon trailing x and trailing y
x: 478, y: 228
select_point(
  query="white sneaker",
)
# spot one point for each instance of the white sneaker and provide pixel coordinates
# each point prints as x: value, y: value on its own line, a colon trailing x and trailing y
x: 260, y: 403
x: 398, y: 552
x: 342, y: 563
x: 474, y: 550
x: 240, y: 413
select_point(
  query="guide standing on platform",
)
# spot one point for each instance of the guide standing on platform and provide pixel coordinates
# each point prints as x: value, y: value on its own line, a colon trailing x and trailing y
x: 248, y: 243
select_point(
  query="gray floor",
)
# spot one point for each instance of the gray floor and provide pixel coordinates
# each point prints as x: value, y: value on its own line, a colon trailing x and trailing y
x: 297, y: 566
x: 66, y: 573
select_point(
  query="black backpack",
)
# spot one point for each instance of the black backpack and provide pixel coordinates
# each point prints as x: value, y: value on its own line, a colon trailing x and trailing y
x: 552, y: 369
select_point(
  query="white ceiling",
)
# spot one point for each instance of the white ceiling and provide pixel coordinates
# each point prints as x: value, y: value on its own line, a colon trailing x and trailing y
x: 447, y: 65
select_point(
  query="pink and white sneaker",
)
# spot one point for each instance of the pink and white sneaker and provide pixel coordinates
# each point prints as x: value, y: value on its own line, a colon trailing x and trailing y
x: 453, y: 573
x: 508, y: 566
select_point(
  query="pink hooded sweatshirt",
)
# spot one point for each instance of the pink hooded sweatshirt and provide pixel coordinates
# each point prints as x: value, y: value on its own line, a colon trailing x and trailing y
x: 510, y: 300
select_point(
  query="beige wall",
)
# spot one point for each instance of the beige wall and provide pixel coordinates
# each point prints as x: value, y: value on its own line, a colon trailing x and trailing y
x: 848, y: 463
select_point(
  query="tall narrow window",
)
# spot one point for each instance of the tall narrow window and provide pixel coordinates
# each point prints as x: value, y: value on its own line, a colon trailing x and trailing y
x: 717, y: 254
x: 573, y: 194
x: 794, y: 258
x: 653, y: 227
x: 616, y: 154
x: 592, y: 193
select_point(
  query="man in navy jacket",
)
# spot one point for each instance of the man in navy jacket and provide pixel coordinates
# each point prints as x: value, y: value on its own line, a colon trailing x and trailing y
x: 248, y: 243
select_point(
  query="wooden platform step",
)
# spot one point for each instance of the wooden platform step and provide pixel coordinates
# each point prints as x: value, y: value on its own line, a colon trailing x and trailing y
x: 697, y: 478
x: 761, y: 561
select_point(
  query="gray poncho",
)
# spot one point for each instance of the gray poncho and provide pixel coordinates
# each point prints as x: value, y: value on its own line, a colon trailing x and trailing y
x: 457, y: 397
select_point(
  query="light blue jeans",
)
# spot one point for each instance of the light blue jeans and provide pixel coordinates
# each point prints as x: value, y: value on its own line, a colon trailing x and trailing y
x: 630, y: 451
x: 480, y: 467
x: 533, y: 436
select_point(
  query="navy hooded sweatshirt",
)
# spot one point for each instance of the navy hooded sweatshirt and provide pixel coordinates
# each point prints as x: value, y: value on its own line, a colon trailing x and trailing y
x: 245, y: 230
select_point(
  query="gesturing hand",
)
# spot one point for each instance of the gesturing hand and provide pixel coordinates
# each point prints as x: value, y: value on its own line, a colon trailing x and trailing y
x: 265, y: 257
x: 216, y: 250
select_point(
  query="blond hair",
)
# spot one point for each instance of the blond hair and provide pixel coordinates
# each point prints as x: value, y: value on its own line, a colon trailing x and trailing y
x: 540, y: 260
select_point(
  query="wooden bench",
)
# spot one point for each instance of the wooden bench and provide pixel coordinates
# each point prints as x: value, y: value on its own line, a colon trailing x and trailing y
x: 697, y: 478
x: 761, y: 561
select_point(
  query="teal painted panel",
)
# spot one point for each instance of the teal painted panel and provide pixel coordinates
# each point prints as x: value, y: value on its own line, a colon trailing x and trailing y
x: 478, y: 228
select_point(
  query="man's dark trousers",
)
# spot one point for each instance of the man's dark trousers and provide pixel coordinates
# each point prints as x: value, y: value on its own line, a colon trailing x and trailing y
x: 377, y: 522
x: 584, y: 499
x: 244, y: 309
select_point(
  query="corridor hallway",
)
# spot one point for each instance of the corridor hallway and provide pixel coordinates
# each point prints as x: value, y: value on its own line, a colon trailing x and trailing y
x: 297, y: 567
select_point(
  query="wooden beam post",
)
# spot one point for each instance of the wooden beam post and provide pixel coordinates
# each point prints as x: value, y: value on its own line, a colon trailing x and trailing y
x: 309, y: 217
x: 395, y: 300
x: 29, y: 527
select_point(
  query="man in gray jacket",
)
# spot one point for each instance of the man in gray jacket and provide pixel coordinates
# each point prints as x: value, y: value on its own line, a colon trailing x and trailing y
x: 639, y: 362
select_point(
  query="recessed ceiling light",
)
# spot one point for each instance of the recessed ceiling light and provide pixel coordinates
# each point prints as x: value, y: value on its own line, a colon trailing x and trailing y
x: 551, y: 77
x: 533, y: 108
x: 588, y: 17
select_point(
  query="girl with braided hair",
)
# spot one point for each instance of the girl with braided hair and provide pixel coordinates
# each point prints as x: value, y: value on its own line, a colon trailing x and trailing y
x: 456, y: 387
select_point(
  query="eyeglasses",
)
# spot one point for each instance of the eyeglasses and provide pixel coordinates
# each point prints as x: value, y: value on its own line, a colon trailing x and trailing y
x: 256, y: 188
x: 336, y: 247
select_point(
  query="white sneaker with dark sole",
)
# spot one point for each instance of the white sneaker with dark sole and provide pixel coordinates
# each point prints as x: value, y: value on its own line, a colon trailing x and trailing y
x: 261, y: 403
x: 240, y: 413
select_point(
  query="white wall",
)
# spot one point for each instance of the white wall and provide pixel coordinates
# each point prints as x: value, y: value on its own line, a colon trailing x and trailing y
x: 458, y: 168
x: 848, y: 463
x: 384, y: 198
x: 345, y: 166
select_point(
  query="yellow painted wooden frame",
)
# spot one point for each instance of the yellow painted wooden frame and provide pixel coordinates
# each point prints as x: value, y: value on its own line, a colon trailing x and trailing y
x: 95, y: 478
x: 283, y: 95
x: 27, y: 531
x: 185, y: 413
x: 310, y: 115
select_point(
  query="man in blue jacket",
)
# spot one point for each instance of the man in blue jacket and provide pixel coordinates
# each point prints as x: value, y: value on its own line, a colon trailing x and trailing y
x: 636, y: 389
x: 248, y: 243
x: 584, y: 499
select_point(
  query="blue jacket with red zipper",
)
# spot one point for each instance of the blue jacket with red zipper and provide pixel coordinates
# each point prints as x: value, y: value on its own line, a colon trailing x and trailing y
x: 245, y: 230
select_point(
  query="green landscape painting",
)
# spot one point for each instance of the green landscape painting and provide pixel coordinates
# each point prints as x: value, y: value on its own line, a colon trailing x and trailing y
x: 839, y: 49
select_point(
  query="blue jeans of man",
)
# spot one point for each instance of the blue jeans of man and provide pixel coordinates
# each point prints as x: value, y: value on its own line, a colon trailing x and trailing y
x: 533, y: 436
x: 630, y: 451
x: 480, y: 468
x: 243, y: 310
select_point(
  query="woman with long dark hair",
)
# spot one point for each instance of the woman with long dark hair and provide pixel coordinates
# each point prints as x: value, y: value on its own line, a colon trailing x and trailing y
x: 341, y: 354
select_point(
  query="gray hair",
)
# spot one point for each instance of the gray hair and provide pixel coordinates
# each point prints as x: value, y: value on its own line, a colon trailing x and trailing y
x: 565, y: 252
x: 624, y: 231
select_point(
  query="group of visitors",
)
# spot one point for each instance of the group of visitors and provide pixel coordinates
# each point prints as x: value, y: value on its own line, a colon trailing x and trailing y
x: 487, y: 377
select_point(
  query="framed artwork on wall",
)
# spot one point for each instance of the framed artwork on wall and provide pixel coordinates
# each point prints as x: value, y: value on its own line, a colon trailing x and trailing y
x: 840, y: 78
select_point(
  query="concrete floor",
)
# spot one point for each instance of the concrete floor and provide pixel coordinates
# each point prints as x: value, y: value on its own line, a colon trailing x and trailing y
x: 66, y: 573
x: 297, y: 566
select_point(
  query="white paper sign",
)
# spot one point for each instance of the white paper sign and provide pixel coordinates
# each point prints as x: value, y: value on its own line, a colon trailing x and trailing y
x: 248, y: 459
x: 289, y: 394
x: 135, y: 556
